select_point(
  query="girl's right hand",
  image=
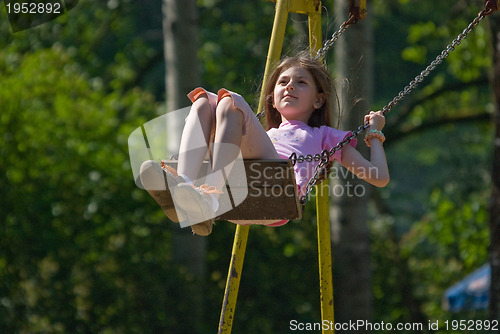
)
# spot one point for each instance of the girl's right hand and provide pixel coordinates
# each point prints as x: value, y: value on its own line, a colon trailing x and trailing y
x: 376, y: 120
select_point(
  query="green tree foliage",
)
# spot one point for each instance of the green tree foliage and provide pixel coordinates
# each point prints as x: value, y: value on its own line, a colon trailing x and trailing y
x: 426, y: 243
x: 435, y: 227
x: 83, y: 250
x: 74, y: 231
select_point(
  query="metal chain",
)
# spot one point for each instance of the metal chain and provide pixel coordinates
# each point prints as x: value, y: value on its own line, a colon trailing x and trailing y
x: 439, y: 59
x: 324, y: 158
x: 328, y: 43
x: 325, y: 155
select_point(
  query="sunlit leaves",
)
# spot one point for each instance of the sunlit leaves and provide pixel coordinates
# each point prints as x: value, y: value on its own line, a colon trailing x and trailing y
x: 65, y: 181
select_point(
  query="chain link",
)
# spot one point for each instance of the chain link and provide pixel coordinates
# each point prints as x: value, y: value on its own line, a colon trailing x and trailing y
x: 324, y: 158
x: 335, y: 36
x: 439, y: 59
x: 325, y: 155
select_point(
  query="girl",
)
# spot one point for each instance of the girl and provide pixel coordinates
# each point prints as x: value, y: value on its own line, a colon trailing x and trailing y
x: 297, y: 108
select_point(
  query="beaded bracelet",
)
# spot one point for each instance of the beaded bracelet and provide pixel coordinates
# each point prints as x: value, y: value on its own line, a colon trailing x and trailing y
x: 374, y: 134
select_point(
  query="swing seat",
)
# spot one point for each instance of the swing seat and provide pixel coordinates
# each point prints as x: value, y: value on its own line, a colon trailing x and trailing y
x: 259, y: 191
x: 267, y: 192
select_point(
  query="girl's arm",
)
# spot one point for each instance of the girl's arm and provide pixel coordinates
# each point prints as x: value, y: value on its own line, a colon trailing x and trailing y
x: 374, y: 171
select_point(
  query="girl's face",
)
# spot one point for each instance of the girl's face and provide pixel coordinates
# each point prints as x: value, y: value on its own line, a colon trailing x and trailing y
x: 295, y: 95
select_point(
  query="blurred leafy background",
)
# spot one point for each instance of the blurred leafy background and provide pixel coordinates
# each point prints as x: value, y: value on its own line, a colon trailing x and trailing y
x: 83, y: 250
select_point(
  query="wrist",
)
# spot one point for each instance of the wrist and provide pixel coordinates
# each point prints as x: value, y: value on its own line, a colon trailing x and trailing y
x: 374, y: 134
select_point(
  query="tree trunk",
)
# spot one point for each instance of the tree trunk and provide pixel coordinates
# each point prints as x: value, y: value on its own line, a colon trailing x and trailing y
x: 351, y: 240
x: 494, y: 308
x: 180, y: 19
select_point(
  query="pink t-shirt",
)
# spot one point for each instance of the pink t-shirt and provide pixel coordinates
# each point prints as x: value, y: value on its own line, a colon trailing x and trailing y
x: 296, y: 136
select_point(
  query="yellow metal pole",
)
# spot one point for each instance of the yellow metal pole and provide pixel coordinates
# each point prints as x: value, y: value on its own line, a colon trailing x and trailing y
x: 363, y: 11
x: 241, y: 235
x: 322, y: 205
x: 275, y: 46
x: 315, y: 39
x: 233, y: 279
x: 313, y: 9
x: 325, y: 256
x: 357, y: 8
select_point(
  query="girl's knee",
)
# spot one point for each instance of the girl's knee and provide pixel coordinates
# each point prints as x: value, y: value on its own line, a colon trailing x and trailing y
x: 226, y: 108
x: 201, y: 102
x: 201, y: 108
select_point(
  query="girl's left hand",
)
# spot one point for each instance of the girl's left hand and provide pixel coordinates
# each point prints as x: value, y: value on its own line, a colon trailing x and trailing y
x: 376, y: 120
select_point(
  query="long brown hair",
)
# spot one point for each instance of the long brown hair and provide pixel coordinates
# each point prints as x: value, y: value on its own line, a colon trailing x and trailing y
x: 323, y: 82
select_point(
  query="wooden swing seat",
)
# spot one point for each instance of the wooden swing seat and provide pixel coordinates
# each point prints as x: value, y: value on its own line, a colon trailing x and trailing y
x: 269, y: 186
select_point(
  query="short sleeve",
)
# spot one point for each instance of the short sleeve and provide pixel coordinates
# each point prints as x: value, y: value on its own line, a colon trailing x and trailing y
x: 331, y: 137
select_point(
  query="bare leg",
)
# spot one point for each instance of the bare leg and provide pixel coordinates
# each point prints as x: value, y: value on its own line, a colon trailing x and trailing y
x: 195, y: 138
x: 227, y: 142
x: 230, y: 143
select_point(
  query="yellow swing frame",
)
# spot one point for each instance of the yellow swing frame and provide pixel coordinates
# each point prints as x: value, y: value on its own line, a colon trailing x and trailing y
x: 312, y: 8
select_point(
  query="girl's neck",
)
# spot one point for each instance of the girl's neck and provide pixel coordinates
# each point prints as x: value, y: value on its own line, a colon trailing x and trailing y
x: 304, y: 119
x: 292, y: 121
